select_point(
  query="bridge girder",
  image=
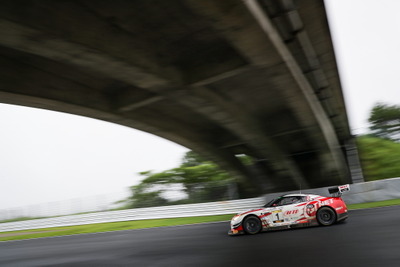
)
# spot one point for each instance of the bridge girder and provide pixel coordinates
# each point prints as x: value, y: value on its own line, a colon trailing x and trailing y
x: 220, y: 77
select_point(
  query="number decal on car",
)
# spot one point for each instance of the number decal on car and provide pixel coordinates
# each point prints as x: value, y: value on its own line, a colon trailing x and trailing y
x: 278, y: 215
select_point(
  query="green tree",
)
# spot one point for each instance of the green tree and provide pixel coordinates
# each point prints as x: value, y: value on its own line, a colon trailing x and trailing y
x: 380, y: 158
x: 192, y: 159
x: 146, y: 199
x: 385, y: 121
x: 200, y: 181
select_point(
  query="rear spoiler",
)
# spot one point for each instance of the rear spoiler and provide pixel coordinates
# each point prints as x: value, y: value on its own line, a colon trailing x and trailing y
x: 337, y: 191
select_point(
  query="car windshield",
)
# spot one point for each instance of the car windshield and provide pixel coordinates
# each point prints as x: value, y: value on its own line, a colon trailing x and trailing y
x: 272, y: 202
x: 282, y: 201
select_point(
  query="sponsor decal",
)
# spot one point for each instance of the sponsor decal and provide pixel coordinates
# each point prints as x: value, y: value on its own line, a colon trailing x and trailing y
x: 326, y: 202
x: 291, y: 212
x: 343, y: 188
x: 310, y: 209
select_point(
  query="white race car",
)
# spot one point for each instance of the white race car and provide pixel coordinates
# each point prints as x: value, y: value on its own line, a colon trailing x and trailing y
x: 292, y: 211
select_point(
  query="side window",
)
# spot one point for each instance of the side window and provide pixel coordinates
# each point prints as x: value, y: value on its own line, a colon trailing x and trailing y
x: 291, y: 200
x: 286, y: 201
x: 275, y: 203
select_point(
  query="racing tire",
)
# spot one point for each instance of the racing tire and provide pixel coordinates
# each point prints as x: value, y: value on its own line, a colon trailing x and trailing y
x: 326, y: 216
x: 252, y: 225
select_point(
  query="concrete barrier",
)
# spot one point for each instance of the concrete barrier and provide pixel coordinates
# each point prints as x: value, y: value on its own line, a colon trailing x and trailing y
x: 359, y: 193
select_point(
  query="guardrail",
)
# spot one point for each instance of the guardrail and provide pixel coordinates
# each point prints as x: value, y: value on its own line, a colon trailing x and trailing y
x: 175, y: 211
x: 361, y: 192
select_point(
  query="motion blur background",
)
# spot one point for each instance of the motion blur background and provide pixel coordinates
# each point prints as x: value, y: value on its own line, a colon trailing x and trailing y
x: 54, y: 163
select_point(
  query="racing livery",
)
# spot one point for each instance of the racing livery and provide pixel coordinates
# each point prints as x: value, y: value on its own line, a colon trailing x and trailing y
x: 291, y: 211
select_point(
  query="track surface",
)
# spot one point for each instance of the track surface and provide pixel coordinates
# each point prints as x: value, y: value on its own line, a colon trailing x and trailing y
x: 369, y: 238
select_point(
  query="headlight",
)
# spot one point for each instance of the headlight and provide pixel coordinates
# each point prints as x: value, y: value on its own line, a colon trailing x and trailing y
x: 235, y: 220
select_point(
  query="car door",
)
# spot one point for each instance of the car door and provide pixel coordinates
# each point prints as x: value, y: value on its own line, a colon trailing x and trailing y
x: 292, y: 212
x: 283, y: 212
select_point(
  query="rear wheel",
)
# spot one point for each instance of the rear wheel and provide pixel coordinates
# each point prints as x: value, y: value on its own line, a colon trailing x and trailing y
x: 252, y: 225
x: 326, y: 216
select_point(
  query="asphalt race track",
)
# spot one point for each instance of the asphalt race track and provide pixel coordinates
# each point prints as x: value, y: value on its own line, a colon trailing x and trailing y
x: 370, y: 237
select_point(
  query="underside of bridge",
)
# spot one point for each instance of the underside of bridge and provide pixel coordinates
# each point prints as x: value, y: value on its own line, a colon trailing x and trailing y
x: 223, y: 78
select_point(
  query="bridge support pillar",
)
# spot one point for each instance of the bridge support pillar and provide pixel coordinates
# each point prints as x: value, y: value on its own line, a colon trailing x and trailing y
x: 354, y: 161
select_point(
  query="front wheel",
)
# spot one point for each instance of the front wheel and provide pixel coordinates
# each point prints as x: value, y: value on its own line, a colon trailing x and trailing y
x: 252, y: 225
x: 326, y: 216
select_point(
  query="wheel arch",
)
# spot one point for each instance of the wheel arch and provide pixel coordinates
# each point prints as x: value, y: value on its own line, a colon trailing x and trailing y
x: 251, y: 215
x: 327, y: 206
x: 331, y: 208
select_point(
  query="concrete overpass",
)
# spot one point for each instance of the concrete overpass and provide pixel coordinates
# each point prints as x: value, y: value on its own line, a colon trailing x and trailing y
x: 220, y: 77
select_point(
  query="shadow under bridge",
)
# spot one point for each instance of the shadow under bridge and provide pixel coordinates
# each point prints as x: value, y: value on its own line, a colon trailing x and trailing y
x: 223, y: 78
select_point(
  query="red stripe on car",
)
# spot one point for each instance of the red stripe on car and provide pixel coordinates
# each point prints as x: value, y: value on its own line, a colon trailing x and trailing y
x: 266, y: 214
x: 250, y: 211
x: 239, y: 228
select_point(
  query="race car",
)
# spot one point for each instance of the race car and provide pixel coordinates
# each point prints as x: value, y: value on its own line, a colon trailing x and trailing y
x: 292, y: 211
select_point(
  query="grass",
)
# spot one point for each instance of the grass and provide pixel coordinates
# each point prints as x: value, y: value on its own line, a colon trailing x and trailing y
x: 105, y: 227
x: 391, y: 202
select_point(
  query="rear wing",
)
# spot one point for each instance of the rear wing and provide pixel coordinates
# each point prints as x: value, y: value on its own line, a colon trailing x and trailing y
x: 337, y: 191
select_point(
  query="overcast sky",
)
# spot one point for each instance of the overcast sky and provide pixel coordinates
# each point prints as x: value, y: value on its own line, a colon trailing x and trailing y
x: 366, y: 37
x: 49, y: 156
